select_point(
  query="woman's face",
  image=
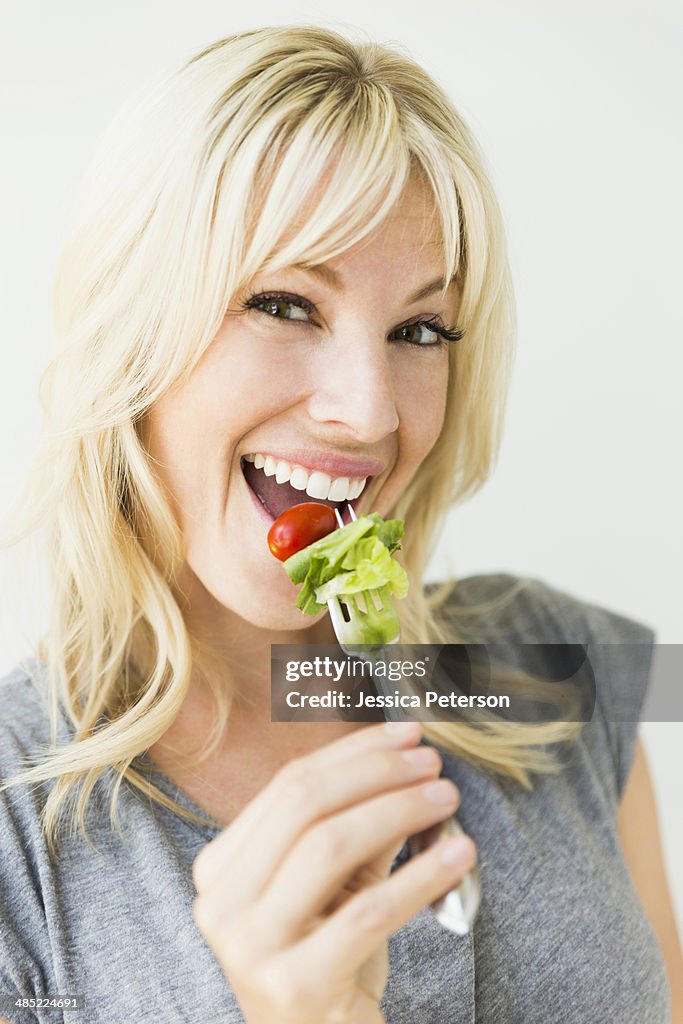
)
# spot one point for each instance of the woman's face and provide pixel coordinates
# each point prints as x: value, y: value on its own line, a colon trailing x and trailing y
x: 320, y: 374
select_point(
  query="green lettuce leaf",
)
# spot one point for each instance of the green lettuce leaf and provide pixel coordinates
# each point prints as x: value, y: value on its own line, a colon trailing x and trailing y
x: 350, y: 560
x: 369, y: 566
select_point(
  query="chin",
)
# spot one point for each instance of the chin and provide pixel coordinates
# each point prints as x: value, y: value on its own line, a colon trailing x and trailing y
x: 270, y: 606
x: 276, y: 615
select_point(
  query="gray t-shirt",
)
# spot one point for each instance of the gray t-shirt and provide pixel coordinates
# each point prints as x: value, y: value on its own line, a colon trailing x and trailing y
x: 561, y: 937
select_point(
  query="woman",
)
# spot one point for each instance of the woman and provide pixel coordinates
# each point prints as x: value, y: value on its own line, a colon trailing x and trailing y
x: 290, y: 249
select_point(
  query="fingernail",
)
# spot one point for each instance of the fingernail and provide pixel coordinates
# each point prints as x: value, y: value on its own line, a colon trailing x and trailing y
x: 401, y: 728
x: 420, y: 757
x: 455, y: 851
x: 442, y: 791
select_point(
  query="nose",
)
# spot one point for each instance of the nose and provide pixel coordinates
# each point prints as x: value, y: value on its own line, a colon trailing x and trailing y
x: 354, y: 386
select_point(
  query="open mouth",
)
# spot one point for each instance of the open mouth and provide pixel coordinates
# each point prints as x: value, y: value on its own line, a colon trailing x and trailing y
x: 276, y: 497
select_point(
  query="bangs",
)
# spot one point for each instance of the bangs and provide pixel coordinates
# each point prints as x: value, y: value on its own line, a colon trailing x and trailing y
x: 335, y: 176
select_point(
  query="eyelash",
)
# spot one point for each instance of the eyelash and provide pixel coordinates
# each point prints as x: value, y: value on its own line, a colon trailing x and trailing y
x: 446, y: 334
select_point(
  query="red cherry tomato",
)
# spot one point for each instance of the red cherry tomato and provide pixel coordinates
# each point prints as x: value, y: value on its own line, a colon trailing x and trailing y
x: 300, y: 526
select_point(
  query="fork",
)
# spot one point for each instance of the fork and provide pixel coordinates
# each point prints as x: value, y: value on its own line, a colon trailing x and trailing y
x: 458, y: 908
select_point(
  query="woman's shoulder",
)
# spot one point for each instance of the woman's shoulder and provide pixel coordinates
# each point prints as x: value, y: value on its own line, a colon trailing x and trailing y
x: 25, y: 731
x: 530, y: 609
x: 20, y: 692
x: 26, y: 951
x: 535, y: 622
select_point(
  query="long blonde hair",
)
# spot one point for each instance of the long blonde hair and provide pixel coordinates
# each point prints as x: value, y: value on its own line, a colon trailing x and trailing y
x: 195, y: 187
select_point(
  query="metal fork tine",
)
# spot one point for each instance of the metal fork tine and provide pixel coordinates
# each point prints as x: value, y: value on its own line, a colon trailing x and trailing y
x: 340, y: 521
x: 338, y: 623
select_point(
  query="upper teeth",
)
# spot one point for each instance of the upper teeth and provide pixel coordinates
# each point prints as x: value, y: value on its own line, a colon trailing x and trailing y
x: 314, y: 482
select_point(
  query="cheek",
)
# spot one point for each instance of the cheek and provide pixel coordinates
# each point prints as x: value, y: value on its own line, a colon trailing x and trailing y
x: 191, y: 434
x: 231, y: 389
x: 422, y: 394
x: 240, y: 383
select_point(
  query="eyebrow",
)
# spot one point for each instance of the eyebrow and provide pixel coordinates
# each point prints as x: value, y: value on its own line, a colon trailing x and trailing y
x: 332, y: 278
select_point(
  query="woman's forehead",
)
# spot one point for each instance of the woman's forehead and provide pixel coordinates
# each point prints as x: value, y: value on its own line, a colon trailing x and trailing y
x: 411, y: 234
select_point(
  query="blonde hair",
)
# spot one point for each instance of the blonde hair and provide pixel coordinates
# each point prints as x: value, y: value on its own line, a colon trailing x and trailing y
x: 196, y: 186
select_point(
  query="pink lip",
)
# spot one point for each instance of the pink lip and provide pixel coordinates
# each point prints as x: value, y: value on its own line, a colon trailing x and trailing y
x: 335, y: 465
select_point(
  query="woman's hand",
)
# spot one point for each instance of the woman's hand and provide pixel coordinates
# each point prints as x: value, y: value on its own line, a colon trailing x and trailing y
x: 296, y: 898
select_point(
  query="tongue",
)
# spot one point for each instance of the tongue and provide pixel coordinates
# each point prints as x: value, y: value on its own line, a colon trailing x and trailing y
x: 276, y: 497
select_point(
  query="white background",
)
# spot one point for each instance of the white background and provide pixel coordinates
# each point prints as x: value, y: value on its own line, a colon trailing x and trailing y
x: 574, y: 103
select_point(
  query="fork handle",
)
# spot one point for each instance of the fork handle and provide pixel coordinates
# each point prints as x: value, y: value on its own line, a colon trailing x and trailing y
x: 458, y: 908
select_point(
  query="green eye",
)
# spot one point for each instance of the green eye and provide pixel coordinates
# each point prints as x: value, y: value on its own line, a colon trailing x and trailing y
x: 416, y: 334
x: 281, y: 306
x: 426, y: 333
x: 284, y: 309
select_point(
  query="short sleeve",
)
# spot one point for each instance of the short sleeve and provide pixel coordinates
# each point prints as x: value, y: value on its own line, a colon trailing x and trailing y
x: 622, y: 651
x: 25, y: 961
x: 25, y: 949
